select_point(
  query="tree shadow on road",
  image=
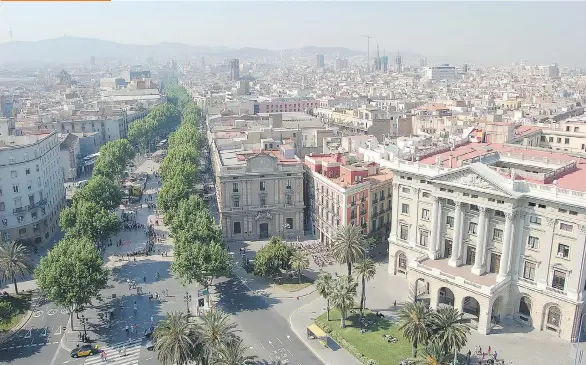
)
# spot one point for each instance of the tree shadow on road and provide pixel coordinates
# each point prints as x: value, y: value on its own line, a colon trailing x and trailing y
x: 234, y: 297
x: 23, y: 344
x: 129, y: 271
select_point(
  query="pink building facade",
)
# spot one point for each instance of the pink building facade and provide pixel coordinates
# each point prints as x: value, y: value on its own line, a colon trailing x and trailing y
x: 283, y: 105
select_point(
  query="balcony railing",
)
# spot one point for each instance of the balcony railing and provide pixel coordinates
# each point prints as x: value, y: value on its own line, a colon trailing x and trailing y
x: 555, y: 290
x: 20, y: 209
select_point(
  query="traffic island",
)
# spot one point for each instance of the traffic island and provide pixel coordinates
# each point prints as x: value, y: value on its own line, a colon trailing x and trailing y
x: 14, y: 312
x: 377, y: 341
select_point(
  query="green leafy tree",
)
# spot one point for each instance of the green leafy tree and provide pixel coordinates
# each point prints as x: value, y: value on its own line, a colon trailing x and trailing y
x: 88, y: 219
x: 177, y: 341
x: 349, y: 245
x: 299, y: 261
x: 448, y: 329
x: 415, y: 321
x: 234, y: 353
x: 274, y: 258
x: 171, y: 194
x: 101, y: 190
x: 325, y: 287
x: 201, y: 263
x: 72, y: 273
x: 15, y: 261
x: 180, y: 162
x: 365, y: 270
x: 142, y: 133
x: 216, y: 330
x: 343, y: 296
x: 114, y: 157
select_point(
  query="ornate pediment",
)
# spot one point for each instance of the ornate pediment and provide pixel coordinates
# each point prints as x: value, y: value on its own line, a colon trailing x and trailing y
x: 263, y: 215
x: 470, y: 179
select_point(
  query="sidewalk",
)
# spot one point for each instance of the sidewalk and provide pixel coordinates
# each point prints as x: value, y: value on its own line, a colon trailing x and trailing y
x: 303, y: 317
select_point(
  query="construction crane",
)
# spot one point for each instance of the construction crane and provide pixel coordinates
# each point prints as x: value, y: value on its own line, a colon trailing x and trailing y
x: 368, y: 37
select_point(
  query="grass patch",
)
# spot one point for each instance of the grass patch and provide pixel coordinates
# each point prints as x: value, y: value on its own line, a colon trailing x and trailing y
x: 12, y: 309
x: 292, y: 284
x: 371, y: 344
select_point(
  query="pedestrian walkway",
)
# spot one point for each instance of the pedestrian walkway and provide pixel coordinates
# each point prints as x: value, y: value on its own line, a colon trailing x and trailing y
x: 115, y: 354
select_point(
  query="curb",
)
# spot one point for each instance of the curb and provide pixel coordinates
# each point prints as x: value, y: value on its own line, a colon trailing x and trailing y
x: 14, y: 330
x: 61, y: 343
x: 303, y: 340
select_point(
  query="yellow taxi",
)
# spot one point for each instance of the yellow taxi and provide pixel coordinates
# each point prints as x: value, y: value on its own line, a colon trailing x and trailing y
x: 85, y: 350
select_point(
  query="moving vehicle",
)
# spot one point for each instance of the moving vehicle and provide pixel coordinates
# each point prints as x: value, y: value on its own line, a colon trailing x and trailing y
x: 149, y: 331
x: 85, y: 350
x: 150, y: 345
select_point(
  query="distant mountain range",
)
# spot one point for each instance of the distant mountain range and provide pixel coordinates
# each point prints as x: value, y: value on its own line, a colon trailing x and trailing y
x: 79, y: 50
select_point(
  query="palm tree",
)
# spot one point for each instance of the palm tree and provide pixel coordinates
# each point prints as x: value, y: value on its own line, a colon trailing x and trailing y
x: 14, y: 261
x: 349, y: 245
x: 365, y: 270
x: 176, y: 341
x: 325, y: 287
x: 414, y: 321
x: 299, y: 261
x: 434, y: 354
x: 448, y: 329
x: 343, y: 296
x: 215, y: 329
x: 233, y: 353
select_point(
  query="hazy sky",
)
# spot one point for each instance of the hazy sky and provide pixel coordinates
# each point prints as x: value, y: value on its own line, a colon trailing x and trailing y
x: 542, y: 32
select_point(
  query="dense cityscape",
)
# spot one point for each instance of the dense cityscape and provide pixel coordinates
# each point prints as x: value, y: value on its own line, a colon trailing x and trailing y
x: 167, y: 205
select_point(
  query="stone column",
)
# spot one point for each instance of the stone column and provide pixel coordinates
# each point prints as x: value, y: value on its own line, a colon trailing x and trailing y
x: 395, y: 212
x: 435, y: 222
x: 478, y: 267
x: 457, y: 244
x: 507, y: 243
x: 542, y: 273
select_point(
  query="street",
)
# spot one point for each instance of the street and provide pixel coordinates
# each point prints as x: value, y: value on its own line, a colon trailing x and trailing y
x: 263, y: 329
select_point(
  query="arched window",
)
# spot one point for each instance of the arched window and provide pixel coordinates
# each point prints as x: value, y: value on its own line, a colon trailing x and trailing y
x: 402, y: 262
x: 554, y: 316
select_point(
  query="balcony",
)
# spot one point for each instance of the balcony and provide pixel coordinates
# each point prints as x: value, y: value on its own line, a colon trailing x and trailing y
x: 374, y: 214
x: 363, y: 212
x: 20, y: 209
x: 555, y: 290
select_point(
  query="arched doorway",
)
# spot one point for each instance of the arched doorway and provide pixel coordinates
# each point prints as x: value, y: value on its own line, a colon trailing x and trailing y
x: 495, y: 311
x: 401, y: 263
x: 445, y: 297
x: 525, y: 309
x: 553, y: 318
x: 420, y: 291
x: 471, y: 311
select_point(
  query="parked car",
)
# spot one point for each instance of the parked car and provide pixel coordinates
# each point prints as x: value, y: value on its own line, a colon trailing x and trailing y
x: 85, y: 350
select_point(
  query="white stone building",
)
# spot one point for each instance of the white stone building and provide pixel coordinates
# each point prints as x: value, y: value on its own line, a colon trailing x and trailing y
x: 501, y: 236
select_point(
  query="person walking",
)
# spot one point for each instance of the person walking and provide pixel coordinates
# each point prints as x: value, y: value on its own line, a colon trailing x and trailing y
x: 104, y: 356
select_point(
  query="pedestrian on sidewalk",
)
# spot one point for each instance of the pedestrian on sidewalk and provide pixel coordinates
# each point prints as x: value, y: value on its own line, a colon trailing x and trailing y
x: 489, y: 350
x: 104, y: 356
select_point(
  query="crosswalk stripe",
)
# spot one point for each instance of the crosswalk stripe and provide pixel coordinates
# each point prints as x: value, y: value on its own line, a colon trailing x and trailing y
x: 114, y: 357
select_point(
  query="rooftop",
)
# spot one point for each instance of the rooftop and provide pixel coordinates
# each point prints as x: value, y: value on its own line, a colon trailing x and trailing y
x: 8, y: 142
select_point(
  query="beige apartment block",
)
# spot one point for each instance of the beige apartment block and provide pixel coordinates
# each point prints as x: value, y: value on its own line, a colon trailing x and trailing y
x: 493, y: 236
x: 259, y: 193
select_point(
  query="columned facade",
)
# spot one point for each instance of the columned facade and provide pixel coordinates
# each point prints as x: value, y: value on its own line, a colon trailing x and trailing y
x: 495, y: 250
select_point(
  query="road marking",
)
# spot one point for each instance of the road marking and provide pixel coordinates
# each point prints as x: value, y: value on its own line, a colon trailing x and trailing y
x: 37, y: 314
x: 64, y: 311
x: 279, y: 340
x: 52, y: 312
x: 29, y: 334
x: 58, y: 330
x: 44, y: 333
x: 270, y: 343
x: 56, y: 342
x: 263, y: 346
x: 289, y: 338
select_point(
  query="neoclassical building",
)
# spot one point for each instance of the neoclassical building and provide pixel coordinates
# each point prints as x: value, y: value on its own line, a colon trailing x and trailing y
x: 498, y: 234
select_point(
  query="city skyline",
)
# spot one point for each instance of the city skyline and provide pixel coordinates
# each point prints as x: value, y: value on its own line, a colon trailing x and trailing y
x: 489, y: 33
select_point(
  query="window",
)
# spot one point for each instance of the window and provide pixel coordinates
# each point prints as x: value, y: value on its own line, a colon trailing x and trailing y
x: 289, y: 223
x: 13, y: 174
x: 20, y: 219
x: 405, y: 208
x: 558, y: 280
x: 563, y: 251
x: 474, y: 207
x: 497, y: 234
x: 566, y: 227
x: 529, y: 270
x: 450, y: 221
x: 4, y: 222
x: 450, y: 202
x: 15, y: 188
x: 404, y: 232
x: 236, y: 203
x: 2, y: 206
x: 289, y: 200
x: 27, y: 171
x: 472, y: 228
x: 535, y: 220
x: 34, y: 215
x: 288, y: 184
x: 542, y: 206
x: 551, y: 139
x: 532, y: 242
x: 567, y: 141
x: 262, y: 186
x: 234, y: 187
x: 560, y: 210
x: 531, y: 204
x: 263, y: 200
x: 425, y: 214
x: 425, y: 194
x: 22, y: 231
x: 499, y: 213
x: 237, y: 229
x: 405, y: 190
x: 573, y: 212
x: 423, y: 238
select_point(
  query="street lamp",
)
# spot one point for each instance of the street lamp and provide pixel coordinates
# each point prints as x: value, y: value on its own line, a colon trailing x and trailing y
x: 83, y: 322
x: 187, y: 298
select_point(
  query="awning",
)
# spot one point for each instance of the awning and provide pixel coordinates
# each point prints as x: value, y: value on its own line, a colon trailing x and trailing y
x: 317, y: 332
